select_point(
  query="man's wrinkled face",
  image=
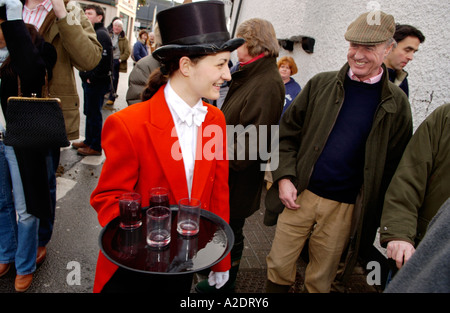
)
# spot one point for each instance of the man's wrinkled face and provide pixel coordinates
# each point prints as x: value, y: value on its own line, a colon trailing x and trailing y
x: 365, y: 60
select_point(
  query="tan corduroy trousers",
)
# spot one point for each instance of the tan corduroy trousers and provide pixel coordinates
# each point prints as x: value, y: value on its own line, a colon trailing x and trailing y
x: 327, y: 223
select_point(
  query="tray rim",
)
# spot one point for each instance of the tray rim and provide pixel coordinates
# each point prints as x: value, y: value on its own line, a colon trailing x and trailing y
x: 203, y: 213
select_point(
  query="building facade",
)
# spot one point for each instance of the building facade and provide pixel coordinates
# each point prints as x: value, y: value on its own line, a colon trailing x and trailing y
x: 326, y: 22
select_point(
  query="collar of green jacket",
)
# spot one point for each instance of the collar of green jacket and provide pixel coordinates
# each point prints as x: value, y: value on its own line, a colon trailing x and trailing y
x: 386, y: 90
x: 254, y: 68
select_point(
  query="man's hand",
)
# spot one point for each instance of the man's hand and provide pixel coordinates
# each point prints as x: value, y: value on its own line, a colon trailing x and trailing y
x: 400, y: 251
x: 59, y: 8
x: 287, y: 193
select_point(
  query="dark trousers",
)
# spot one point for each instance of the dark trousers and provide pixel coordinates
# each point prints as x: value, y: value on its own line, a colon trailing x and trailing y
x: 93, y: 102
x: 237, y: 225
x: 46, y: 224
x: 115, y: 80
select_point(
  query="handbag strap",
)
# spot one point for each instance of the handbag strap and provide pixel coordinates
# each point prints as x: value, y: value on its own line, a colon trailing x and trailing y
x: 45, y: 90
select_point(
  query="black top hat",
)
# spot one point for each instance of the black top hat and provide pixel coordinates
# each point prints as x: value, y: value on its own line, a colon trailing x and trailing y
x: 196, y: 28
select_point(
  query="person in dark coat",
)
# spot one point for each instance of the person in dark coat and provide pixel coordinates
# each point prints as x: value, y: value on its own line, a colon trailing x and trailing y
x: 255, y: 98
x: 95, y: 85
x: 25, y: 191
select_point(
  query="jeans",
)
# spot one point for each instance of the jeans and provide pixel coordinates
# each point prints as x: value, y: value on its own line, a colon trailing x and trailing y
x: 115, y: 79
x: 93, y: 102
x: 18, y: 236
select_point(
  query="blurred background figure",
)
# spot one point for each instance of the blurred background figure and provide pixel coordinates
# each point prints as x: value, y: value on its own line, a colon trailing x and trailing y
x: 151, y: 44
x: 287, y: 68
x: 95, y: 85
x: 408, y: 40
x: 121, y: 53
x: 140, y: 47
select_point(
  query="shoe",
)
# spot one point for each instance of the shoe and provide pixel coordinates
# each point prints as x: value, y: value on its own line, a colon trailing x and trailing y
x: 276, y: 288
x: 88, y: 151
x: 4, y: 269
x: 79, y: 144
x: 109, y: 105
x: 41, y: 254
x: 23, y: 282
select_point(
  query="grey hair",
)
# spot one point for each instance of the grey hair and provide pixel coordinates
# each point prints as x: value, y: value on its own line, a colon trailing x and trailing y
x: 391, y: 41
x: 118, y: 22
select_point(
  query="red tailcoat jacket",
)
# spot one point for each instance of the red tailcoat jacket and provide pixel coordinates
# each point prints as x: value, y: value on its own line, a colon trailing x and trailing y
x: 142, y: 152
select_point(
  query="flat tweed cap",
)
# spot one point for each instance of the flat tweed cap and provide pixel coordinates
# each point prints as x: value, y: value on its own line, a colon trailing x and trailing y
x: 371, y: 28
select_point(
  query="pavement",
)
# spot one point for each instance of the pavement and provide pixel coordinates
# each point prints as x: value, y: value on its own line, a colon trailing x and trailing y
x: 75, y: 239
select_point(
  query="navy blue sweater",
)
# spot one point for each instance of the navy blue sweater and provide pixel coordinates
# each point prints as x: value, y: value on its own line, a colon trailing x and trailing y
x: 338, y: 173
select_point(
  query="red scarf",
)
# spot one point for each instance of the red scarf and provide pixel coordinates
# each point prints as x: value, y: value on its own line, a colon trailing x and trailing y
x: 252, y: 60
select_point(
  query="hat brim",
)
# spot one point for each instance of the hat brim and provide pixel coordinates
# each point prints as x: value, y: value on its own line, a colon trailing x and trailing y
x: 169, y: 52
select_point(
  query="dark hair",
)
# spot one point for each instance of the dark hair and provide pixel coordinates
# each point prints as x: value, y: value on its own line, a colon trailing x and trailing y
x: 402, y: 31
x: 98, y: 9
x: 141, y: 32
x: 161, y: 75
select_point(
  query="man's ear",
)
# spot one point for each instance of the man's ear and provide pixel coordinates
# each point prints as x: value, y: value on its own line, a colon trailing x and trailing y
x: 389, y: 50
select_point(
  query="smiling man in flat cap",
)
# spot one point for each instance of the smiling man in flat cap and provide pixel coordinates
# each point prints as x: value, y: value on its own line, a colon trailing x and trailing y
x: 340, y: 143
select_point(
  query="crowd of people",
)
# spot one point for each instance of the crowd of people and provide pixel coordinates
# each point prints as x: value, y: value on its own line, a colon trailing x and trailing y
x: 349, y: 163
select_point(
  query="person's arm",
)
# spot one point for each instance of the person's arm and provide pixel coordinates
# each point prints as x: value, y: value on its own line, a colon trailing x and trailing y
x: 104, y: 67
x: 125, y: 54
x: 78, y: 35
x: 406, y: 194
x: 29, y: 61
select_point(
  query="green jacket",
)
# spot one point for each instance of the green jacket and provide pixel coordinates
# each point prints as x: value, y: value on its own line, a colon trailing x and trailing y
x: 304, y: 130
x: 255, y: 98
x: 77, y: 46
x: 421, y: 183
x: 124, y: 47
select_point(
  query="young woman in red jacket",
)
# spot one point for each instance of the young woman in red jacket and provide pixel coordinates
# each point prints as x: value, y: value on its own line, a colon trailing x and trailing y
x: 166, y: 140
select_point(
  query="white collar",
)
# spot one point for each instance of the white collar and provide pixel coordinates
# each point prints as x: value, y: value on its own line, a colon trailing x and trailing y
x: 183, y: 112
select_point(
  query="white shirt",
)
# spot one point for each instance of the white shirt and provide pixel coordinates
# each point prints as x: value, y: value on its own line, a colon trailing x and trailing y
x: 370, y: 81
x: 37, y: 16
x: 186, y: 120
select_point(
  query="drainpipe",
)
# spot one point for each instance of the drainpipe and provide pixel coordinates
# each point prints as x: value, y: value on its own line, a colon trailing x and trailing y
x: 237, y: 17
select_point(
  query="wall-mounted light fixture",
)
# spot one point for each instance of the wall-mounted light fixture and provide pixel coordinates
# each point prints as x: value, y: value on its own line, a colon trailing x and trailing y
x: 307, y: 43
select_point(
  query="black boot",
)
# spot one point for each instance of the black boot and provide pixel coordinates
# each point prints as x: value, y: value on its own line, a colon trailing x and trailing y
x: 275, y: 288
